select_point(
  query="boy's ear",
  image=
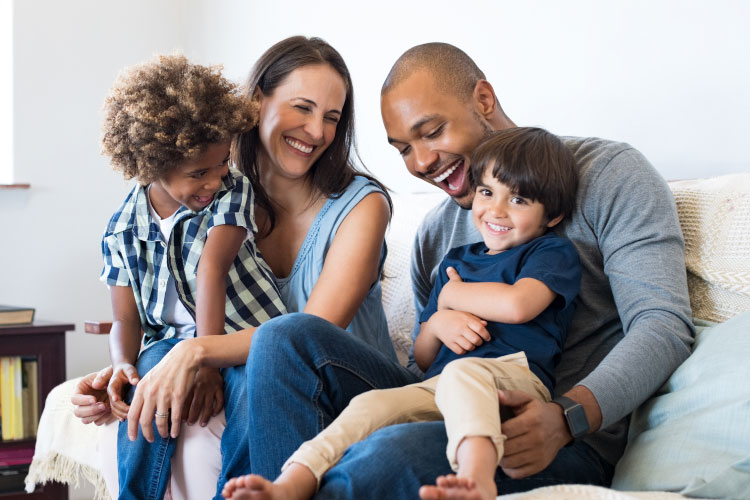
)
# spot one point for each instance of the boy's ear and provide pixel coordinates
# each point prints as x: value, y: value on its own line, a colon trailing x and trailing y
x: 555, y: 221
x: 257, y: 94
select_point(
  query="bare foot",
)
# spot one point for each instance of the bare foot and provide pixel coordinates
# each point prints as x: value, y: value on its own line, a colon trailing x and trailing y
x: 253, y: 487
x: 250, y: 487
x: 452, y: 487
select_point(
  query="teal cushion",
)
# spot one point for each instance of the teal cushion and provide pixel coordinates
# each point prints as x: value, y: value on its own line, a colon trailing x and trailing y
x: 693, y: 435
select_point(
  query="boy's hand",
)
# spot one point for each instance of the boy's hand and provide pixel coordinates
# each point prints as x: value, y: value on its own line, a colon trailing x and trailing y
x: 206, y: 398
x: 448, y: 289
x: 122, y: 375
x: 459, y: 331
x: 90, y: 400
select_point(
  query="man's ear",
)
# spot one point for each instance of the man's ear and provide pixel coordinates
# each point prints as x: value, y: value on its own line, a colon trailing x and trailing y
x: 555, y: 221
x: 484, y: 98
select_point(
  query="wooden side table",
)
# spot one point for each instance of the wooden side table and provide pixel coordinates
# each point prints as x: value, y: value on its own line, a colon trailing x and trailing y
x: 44, y: 341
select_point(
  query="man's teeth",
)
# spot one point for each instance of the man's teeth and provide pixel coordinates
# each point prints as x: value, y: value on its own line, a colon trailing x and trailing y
x: 445, y: 174
x: 298, y: 145
x: 497, y: 227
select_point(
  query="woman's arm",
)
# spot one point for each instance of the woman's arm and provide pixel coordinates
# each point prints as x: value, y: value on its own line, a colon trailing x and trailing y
x: 352, y: 263
x: 518, y: 303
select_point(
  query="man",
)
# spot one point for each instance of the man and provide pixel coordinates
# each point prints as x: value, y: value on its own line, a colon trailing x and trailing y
x: 631, y: 330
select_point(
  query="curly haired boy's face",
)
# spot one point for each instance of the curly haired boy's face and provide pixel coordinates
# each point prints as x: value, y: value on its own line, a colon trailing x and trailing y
x: 298, y: 120
x: 193, y: 183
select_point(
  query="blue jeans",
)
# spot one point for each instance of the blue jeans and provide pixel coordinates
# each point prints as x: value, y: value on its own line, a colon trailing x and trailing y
x: 302, y: 372
x: 144, y: 468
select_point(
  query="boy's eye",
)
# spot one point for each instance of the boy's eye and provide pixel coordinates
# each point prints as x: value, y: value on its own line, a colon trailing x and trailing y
x: 198, y: 175
x: 404, y: 151
x: 518, y: 200
x: 485, y: 192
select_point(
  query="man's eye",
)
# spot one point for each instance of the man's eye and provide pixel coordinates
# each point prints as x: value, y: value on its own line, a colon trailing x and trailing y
x: 435, y: 133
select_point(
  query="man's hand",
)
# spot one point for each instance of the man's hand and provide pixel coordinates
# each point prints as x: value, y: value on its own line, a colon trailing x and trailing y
x: 122, y: 375
x: 459, y: 331
x: 535, y: 434
x: 90, y: 400
x: 206, y: 398
x: 444, y: 299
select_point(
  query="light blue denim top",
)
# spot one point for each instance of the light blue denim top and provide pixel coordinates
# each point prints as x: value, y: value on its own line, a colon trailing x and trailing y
x: 369, y: 324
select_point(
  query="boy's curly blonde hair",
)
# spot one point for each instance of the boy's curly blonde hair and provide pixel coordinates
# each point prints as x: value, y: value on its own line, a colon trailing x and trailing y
x: 163, y: 112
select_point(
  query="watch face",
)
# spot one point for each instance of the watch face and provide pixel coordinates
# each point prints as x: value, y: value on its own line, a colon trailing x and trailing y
x: 576, y: 417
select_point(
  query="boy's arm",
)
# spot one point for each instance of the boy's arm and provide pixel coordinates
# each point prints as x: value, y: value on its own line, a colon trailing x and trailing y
x: 459, y: 331
x: 221, y: 248
x: 499, y: 302
x: 124, y: 344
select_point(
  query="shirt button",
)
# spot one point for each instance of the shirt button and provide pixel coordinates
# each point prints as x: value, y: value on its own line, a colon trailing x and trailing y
x: 162, y: 284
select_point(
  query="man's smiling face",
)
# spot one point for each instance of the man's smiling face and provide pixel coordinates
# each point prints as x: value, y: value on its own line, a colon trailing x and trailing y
x: 434, y: 132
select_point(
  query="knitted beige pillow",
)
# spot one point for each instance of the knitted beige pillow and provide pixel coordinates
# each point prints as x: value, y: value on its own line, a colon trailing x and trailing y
x: 715, y: 218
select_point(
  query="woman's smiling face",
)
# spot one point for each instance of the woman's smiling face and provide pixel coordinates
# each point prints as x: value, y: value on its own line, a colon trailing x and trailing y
x: 298, y: 120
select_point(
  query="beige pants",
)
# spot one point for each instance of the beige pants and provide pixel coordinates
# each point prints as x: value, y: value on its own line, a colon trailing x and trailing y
x: 464, y: 395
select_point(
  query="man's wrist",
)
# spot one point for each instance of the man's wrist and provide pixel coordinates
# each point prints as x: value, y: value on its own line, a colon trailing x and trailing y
x: 575, y: 417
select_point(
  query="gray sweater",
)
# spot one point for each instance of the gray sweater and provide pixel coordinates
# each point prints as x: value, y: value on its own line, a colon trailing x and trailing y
x: 632, y: 325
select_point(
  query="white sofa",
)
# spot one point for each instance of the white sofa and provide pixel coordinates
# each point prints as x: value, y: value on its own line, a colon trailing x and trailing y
x: 691, y: 438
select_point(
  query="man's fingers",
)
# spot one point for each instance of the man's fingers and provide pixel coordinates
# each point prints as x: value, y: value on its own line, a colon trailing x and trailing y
x: 513, y: 397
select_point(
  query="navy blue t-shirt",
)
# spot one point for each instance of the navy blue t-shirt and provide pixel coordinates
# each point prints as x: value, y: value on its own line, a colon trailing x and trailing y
x: 550, y: 259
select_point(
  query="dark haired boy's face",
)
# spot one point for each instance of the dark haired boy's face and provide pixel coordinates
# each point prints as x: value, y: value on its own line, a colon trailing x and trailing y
x: 193, y: 183
x: 505, y: 219
x: 435, y: 133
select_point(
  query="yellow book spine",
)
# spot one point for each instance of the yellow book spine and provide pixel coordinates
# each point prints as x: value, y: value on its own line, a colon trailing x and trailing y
x: 5, y: 399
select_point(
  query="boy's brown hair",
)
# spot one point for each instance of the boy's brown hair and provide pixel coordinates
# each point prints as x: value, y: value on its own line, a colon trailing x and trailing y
x: 165, y: 111
x: 533, y: 163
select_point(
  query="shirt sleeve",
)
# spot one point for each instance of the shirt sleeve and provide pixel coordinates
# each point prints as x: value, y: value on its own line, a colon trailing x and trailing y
x: 555, y: 263
x: 235, y: 205
x: 114, y: 272
x: 633, y: 214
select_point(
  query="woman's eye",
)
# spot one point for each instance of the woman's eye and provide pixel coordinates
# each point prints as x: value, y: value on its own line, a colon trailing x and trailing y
x: 332, y: 119
x: 302, y: 108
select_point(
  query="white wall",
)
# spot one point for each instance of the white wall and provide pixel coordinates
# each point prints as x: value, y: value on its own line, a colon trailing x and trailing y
x: 669, y: 77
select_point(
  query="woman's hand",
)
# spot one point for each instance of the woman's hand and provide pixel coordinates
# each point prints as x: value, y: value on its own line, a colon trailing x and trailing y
x: 162, y: 392
x: 90, y: 400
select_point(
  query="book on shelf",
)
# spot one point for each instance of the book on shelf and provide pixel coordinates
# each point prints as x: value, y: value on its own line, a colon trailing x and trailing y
x: 12, y: 315
x: 19, y: 397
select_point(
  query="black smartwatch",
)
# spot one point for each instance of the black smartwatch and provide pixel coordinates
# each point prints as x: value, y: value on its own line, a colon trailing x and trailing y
x: 575, y: 416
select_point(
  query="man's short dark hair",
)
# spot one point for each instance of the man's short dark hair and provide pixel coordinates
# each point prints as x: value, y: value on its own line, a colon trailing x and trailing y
x: 533, y: 163
x: 454, y: 72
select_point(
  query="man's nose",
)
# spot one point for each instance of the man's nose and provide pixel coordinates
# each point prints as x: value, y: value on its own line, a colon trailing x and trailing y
x: 424, y: 159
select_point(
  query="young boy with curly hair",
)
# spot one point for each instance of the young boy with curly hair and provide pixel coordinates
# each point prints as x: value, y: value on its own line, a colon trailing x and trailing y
x: 179, y: 255
x: 497, y: 319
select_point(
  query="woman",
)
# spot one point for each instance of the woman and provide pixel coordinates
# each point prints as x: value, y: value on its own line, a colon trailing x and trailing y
x: 321, y: 228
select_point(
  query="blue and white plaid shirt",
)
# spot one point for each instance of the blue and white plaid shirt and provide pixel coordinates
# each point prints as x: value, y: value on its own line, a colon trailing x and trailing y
x: 136, y: 255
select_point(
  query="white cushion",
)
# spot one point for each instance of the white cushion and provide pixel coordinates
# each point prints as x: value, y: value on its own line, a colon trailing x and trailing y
x: 693, y: 436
